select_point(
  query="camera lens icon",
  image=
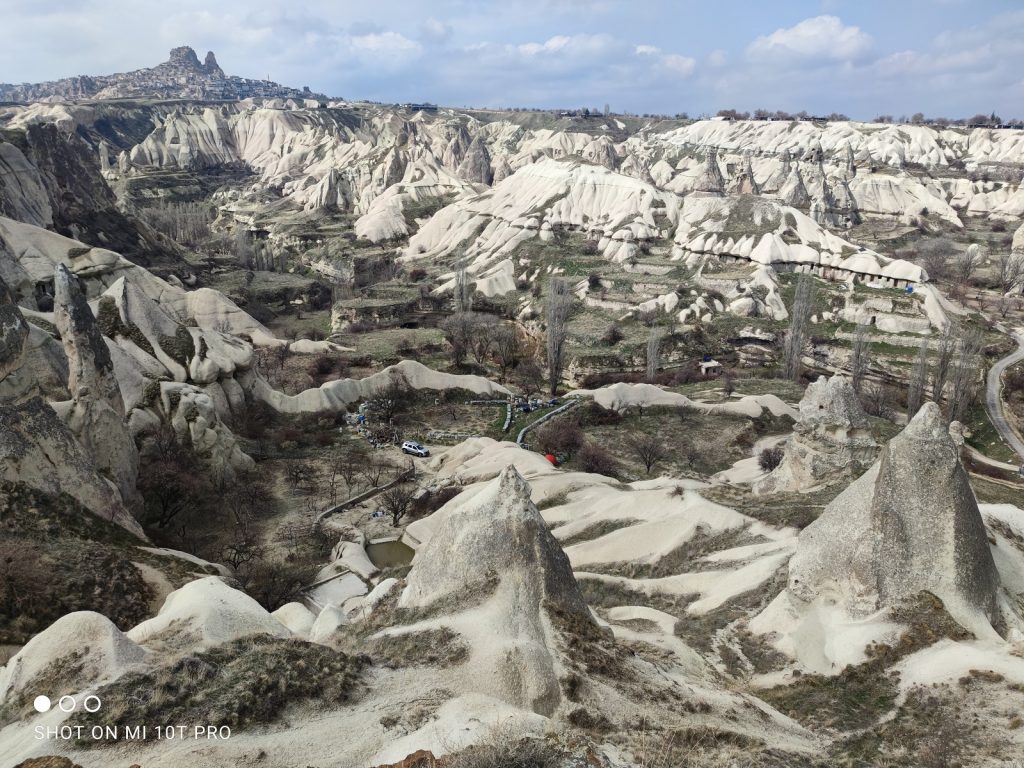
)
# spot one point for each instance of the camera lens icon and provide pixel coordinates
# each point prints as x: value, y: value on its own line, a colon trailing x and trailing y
x: 66, y: 703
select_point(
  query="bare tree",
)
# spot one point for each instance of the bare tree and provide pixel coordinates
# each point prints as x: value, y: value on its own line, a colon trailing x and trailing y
x: 964, y: 379
x: 918, y: 380
x: 559, y: 307
x: 935, y: 256
x: 186, y: 223
x: 396, y: 502
x: 374, y: 471
x: 654, y: 352
x: 349, y: 467
x: 878, y: 399
x: 482, y: 335
x: 393, y: 399
x: 463, y: 289
x: 593, y: 457
x: 647, y: 448
x: 506, y: 347
x: 458, y: 331
x: 247, y: 498
x: 1006, y: 303
x: 559, y: 436
x: 1010, y: 272
x: 800, y: 316
x: 860, y: 359
x: 728, y: 383
x: 299, y: 476
x: 529, y: 377
x: 943, y: 360
x: 964, y: 267
x: 243, y: 247
x: 241, y: 549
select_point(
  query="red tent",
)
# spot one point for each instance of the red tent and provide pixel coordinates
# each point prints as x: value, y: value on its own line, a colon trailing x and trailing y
x: 551, y: 457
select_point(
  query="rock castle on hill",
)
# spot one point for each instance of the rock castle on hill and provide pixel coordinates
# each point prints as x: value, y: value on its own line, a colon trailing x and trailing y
x: 182, y: 76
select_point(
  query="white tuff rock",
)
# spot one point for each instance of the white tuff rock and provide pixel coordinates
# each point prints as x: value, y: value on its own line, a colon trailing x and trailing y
x: 501, y: 533
x: 831, y: 440
x: 910, y: 523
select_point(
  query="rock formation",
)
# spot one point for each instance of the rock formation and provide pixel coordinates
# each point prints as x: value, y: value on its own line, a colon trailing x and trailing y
x: 850, y: 164
x: 602, y: 151
x: 831, y: 440
x: 910, y: 523
x: 193, y: 416
x: 709, y: 178
x: 107, y: 653
x: 500, y: 533
x: 211, y: 67
x: 476, y: 165
x: 36, y: 447
x: 780, y: 172
x: 744, y: 182
x: 96, y: 411
x: 208, y: 612
x: 793, y: 191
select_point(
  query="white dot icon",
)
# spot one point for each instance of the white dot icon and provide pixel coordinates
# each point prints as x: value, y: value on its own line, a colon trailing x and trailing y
x: 92, y: 704
x: 42, y: 703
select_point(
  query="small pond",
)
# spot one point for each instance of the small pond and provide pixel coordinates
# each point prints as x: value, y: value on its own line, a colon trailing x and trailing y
x: 389, y: 553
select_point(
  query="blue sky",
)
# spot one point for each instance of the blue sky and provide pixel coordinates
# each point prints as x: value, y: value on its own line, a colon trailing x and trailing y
x: 942, y: 57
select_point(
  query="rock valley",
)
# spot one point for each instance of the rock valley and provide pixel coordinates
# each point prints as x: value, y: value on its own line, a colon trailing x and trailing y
x: 402, y: 435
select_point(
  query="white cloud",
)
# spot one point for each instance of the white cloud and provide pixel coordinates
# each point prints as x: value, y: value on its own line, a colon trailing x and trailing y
x: 384, y: 42
x: 821, y: 37
x: 435, y: 31
x: 668, y: 63
x: 569, y: 46
x: 718, y: 58
x: 681, y: 66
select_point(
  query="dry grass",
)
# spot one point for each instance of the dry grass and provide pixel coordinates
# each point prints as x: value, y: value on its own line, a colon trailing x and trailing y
x: 683, y: 558
x: 596, y: 531
x: 246, y: 682
x: 431, y: 648
x: 859, y: 695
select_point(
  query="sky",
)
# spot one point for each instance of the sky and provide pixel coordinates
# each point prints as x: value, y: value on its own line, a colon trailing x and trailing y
x: 948, y: 58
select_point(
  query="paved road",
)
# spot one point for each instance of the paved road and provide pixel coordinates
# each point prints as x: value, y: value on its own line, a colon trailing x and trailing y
x: 993, y: 401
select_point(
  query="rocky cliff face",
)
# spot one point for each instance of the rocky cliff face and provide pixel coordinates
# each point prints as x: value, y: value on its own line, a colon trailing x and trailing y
x: 22, y: 194
x: 910, y: 523
x: 53, y: 180
x: 13, y: 338
x: 831, y: 441
x: 37, y: 449
x: 96, y: 412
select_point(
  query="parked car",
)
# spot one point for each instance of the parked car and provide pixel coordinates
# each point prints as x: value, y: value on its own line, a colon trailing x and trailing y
x: 414, y: 449
x: 525, y: 408
x: 554, y: 401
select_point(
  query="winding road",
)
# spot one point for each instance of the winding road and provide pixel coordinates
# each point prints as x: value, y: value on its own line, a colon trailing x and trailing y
x: 993, y: 400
